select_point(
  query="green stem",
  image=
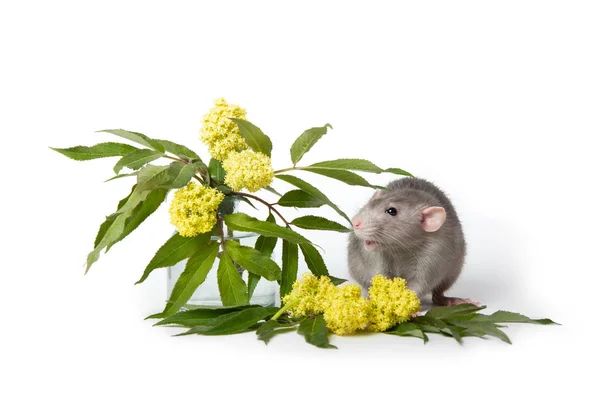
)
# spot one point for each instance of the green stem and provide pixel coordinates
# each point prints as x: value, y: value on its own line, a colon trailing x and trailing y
x: 288, y: 169
x: 201, y: 172
x: 283, y: 309
x: 271, y: 207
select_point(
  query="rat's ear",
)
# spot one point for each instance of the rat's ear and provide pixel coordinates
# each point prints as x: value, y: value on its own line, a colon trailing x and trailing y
x: 432, y: 218
x: 378, y: 193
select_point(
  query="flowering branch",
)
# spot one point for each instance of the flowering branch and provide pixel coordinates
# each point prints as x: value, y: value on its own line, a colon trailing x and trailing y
x: 270, y: 206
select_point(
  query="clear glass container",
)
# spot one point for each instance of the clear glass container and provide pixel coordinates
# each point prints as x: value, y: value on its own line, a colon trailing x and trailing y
x: 207, y: 293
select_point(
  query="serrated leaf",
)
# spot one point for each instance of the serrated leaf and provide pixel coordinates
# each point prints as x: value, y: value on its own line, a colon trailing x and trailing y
x: 253, y: 260
x: 510, y: 317
x: 407, y: 329
x: 231, y: 285
x: 454, y: 310
x: 306, y: 187
x: 318, y: 223
x: 215, y: 168
x: 306, y: 141
x: 136, y: 159
x: 245, y: 223
x: 313, y: 259
x: 268, y: 329
x: 197, y: 316
x: 111, y: 218
x: 299, y: 198
x: 115, y: 226
x: 178, y: 150
x: 289, y: 266
x: 315, y: 332
x: 253, y: 280
x: 142, y: 211
x: 175, y: 249
x: 194, y: 274
x: 234, y: 322
x: 102, y: 150
x: 255, y: 138
x: 398, y: 171
x: 136, y: 137
x: 173, y: 176
x: 344, y: 176
x: 356, y: 165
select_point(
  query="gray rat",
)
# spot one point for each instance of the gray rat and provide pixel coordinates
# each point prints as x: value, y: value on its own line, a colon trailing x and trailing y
x: 411, y: 231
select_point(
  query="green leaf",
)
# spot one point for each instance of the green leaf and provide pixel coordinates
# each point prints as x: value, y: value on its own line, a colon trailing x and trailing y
x: 197, y: 316
x: 136, y: 159
x: 315, y: 332
x: 255, y: 138
x: 319, y: 223
x: 356, y: 165
x: 135, y: 173
x: 454, y: 310
x: 253, y: 260
x: 115, y: 225
x: 510, y: 317
x: 175, y: 175
x: 234, y: 322
x: 305, y: 142
x: 344, y: 176
x: 401, y: 172
x: 136, y: 137
x: 337, y: 281
x: 215, y: 168
x: 272, y: 190
x: 176, y: 249
x: 196, y: 269
x: 347, y: 164
x: 306, y: 187
x: 178, y: 150
x: 111, y: 218
x: 481, y: 329
x: 141, y: 212
x: 231, y: 285
x: 408, y: 329
x: 299, y: 198
x: 268, y: 329
x: 265, y: 245
x: 253, y: 280
x: 103, y: 150
x: 313, y: 259
x: 289, y: 266
x: 245, y: 223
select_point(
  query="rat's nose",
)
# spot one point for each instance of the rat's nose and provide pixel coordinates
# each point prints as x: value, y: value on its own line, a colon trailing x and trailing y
x: 356, y: 222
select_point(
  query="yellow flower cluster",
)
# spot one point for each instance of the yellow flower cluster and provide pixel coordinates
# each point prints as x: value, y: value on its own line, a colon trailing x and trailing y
x: 193, y: 209
x: 345, y: 310
x: 248, y: 169
x: 219, y: 133
x: 391, y: 302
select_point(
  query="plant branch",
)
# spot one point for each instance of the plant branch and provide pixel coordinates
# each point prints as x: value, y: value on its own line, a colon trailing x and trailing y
x: 270, y: 206
x: 288, y: 169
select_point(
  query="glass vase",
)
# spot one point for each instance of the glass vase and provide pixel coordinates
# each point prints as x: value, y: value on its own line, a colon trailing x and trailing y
x: 207, y: 293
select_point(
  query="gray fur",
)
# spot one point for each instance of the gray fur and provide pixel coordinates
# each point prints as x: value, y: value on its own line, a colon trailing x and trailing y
x: 429, y: 261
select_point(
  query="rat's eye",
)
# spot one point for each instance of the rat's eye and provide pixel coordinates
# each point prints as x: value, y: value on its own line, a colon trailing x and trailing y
x: 392, y: 211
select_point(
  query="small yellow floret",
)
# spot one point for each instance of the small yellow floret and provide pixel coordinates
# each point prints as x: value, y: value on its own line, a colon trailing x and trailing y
x: 346, y: 312
x: 193, y: 209
x: 248, y: 169
x: 391, y: 302
x: 219, y: 133
x: 308, y: 295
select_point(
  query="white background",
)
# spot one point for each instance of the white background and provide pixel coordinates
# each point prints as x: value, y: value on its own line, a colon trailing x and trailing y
x: 496, y: 102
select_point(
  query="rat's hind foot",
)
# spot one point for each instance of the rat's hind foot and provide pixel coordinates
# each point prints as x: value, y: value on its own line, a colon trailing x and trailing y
x: 448, y: 301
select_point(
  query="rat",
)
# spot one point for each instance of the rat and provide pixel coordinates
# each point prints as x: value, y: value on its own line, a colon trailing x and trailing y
x: 412, y: 231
